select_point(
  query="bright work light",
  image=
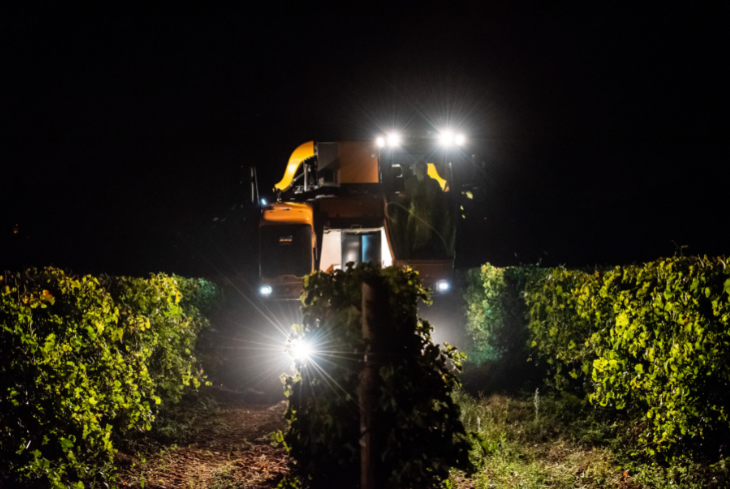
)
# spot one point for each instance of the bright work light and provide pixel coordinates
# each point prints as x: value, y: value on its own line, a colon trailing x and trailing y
x: 448, y: 138
x: 393, y: 139
x: 442, y: 285
x: 300, y: 350
x: 266, y: 290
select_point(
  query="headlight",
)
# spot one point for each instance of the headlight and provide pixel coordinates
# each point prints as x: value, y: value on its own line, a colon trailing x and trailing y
x: 380, y: 142
x: 448, y: 138
x: 442, y: 285
x: 266, y: 290
x: 393, y: 139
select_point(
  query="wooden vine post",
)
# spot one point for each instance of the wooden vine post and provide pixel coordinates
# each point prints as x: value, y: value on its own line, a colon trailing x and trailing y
x: 375, y: 319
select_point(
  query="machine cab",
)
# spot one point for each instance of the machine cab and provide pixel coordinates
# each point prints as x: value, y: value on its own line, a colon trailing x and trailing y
x: 287, y: 247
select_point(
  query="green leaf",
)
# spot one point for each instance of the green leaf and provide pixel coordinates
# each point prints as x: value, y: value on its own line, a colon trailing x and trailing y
x: 622, y: 320
x: 66, y: 444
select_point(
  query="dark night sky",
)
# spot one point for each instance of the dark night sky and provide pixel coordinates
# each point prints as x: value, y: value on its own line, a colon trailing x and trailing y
x: 124, y: 127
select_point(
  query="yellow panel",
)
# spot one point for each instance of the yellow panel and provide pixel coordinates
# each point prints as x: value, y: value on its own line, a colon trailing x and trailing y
x: 358, y: 163
x: 291, y: 213
x: 300, y: 154
x: 435, y: 175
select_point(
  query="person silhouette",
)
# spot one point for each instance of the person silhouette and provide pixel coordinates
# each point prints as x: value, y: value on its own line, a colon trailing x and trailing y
x: 422, y: 198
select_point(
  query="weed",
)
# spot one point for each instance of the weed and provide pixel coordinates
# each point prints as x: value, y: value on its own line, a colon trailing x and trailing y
x: 538, y: 441
x: 224, y: 478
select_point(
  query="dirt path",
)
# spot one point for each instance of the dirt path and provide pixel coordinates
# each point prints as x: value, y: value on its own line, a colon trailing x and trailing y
x: 231, y: 449
x: 228, y: 446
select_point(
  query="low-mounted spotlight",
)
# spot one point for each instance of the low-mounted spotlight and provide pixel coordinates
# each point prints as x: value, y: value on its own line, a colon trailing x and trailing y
x: 393, y: 139
x: 442, y: 285
x: 266, y: 290
x: 300, y: 350
x: 380, y: 142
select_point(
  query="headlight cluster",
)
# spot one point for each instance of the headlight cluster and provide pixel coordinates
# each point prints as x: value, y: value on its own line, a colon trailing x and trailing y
x: 392, y: 140
x: 446, y: 139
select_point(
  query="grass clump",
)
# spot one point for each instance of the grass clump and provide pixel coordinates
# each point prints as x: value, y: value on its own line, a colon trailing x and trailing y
x: 531, y: 440
x: 225, y: 478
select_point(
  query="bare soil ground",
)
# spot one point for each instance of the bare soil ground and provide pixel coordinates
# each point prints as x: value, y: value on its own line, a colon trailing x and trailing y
x: 225, y: 443
x: 231, y: 448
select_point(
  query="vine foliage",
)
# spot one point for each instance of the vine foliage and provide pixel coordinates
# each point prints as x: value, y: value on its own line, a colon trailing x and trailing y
x: 651, y: 339
x: 83, y: 359
x: 496, y: 311
x: 417, y: 416
x: 663, y: 345
x: 558, y: 333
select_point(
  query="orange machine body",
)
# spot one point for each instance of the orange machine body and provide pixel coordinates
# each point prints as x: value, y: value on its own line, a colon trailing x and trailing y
x: 332, y: 210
